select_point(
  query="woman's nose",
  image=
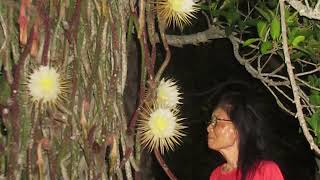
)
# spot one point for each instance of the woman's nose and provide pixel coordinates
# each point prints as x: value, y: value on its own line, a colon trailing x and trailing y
x: 209, y: 128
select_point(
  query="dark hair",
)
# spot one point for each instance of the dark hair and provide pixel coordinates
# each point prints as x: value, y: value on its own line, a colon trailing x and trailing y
x: 241, y: 108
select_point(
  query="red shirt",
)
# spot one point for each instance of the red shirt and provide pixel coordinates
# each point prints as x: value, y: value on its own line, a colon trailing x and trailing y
x: 267, y: 170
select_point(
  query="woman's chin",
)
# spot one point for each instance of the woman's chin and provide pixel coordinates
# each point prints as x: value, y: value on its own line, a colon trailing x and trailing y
x: 211, y: 146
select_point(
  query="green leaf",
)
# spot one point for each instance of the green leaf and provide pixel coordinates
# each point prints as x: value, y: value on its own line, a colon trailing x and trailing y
x: 213, y: 6
x: 265, y: 47
x: 292, y: 19
x: 264, y: 13
x: 232, y: 15
x: 315, y: 99
x: 297, y: 40
x: 313, y: 121
x: 262, y: 29
x: 251, y: 22
x: 275, y: 28
x: 250, y: 41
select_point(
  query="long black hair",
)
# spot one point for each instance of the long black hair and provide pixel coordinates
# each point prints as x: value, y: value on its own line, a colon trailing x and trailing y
x: 242, y: 109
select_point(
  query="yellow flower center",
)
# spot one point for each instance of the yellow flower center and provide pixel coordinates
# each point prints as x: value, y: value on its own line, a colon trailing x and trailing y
x: 181, y: 5
x: 44, y: 84
x: 162, y: 123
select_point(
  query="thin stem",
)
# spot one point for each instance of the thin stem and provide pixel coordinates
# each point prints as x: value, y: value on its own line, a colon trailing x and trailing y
x: 309, y: 72
x: 168, y: 53
x: 307, y: 84
x: 164, y: 165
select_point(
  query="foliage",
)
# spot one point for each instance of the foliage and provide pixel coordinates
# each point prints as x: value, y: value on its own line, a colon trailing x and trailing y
x: 258, y: 26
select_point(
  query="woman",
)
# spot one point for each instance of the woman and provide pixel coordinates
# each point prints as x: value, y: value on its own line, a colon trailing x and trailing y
x: 236, y: 132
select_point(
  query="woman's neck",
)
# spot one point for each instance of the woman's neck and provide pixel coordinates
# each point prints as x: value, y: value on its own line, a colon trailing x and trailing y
x: 231, y: 156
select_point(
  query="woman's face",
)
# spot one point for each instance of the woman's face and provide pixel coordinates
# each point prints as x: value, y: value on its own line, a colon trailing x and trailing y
x: 222, y: 134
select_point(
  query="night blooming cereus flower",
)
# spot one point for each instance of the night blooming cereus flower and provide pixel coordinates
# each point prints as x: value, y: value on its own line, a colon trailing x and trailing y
x: 160, y: 128
x: 176, y: 12
x: 168, y: 94
x: 45, y: 85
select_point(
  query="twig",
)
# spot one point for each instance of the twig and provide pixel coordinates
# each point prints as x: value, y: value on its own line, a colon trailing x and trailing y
x: 278, y: 69
x: 294, y: 86
x: 267, y: 61
x: 164, y: 165
x: 307, y: 62
x: 308, y: 72
x: 168, y: 53
x: 284, y: 94
x: 275, y: 76
x: 307, y: 84
x: 307, y: 4
x: 280, y: 104
x: 317, y: 5
x: 306, y: 102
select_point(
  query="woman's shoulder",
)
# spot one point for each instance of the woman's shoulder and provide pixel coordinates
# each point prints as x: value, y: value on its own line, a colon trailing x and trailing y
x: 268, y: 170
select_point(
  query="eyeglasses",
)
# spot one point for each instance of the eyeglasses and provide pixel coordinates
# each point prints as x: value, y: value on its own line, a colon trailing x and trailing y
x: 215, y: 119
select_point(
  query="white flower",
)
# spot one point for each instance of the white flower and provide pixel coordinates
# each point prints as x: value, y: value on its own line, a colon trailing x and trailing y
x: 162, y: 123
x: 45, y: 85
x: 160, y: 128
x: 176, y: 12
x: 168, y: 94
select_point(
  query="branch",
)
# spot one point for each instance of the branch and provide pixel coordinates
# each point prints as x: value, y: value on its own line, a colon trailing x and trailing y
x: 213, y: 32
x: 304, y: 10
x: 295, y: 88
